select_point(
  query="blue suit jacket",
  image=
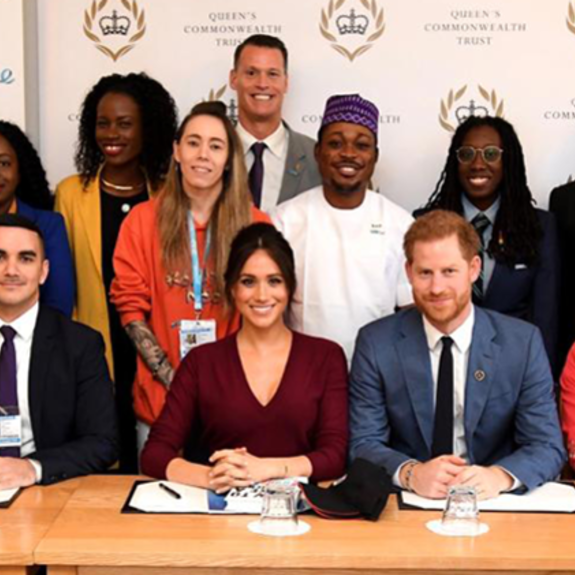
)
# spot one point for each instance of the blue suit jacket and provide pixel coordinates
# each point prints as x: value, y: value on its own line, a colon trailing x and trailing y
x: 59, y: 290
x: 532, y: 293
x: 510, y: 414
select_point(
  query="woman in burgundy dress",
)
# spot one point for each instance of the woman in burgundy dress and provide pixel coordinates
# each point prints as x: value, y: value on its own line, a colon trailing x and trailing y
x: 263, y: 403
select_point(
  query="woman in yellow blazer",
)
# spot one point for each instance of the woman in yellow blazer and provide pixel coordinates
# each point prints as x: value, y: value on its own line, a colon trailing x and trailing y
x: 126, y: 131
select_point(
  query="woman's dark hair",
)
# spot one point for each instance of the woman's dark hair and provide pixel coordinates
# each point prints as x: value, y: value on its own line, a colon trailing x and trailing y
x: 260, y: 236
x: 159, y: 125
x: 517, y: 230
x: 33, y: 187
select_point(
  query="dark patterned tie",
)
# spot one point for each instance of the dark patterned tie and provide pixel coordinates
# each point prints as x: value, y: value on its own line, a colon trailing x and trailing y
x: 443, y: 424
x: 8, y: 382
x: 480, y: 222
x: 256, y: 178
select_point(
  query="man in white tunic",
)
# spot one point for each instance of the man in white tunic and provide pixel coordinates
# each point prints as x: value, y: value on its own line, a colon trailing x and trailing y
x: 347, y: 240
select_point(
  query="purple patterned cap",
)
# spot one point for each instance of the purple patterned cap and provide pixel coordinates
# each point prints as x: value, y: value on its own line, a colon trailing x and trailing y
x: 353, y: 109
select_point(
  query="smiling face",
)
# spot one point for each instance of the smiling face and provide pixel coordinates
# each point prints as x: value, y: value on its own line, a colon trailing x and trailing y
x: 119, y: 129
x: 9, y: 174
x: 441, y: 280
x: 346, y: 157
x: 261, y: 81
x: 480, y: 179
x: 260, y: 294
x: 23, y: 269
x: 202, y: 153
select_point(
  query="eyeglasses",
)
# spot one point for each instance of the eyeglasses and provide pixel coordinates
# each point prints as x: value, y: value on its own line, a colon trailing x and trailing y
x: 490, y: 154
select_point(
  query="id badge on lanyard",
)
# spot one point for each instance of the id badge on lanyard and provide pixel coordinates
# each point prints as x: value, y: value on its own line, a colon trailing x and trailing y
x: 199, y: 331
x: 194, y: 332
x: 10, y: 427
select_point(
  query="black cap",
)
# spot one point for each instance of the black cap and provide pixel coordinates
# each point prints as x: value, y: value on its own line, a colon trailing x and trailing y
x: 363, y: 493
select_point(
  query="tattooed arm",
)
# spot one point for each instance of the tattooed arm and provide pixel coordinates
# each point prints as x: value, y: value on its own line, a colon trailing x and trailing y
x: 150, y: 351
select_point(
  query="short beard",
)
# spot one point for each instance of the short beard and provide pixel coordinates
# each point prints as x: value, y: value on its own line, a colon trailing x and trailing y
x: 347, y: 190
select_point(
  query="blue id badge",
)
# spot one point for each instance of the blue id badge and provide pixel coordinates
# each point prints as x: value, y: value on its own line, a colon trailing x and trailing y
x: 10, y: 427
x: 194, y: 333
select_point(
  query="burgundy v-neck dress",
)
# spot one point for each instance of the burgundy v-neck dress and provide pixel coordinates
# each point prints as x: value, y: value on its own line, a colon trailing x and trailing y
x: 210, y: 406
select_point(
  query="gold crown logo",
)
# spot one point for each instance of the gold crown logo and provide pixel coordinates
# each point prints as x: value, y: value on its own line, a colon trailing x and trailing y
x: 491, y: 105
x: 231, y: 105
x: 571, y: 17
x: 114, y: 25
x: 352, y: 24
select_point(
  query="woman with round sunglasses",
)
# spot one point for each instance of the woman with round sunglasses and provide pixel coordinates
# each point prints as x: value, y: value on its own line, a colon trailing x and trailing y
x: 484, y: 179
x: 264, y: 403
x: 172, y: 252
x: 24, y: 190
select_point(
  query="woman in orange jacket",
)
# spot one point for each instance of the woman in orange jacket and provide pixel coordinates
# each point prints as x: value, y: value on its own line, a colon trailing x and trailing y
x: 172, y: 252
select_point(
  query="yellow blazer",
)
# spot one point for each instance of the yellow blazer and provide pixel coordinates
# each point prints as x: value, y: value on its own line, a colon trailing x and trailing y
x: 82, y: 215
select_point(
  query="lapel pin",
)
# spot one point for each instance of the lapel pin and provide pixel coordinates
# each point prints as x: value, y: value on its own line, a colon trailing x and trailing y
x: 479, y: 375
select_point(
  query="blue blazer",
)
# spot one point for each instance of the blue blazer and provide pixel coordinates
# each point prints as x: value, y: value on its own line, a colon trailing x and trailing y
x: 532, y: 293
x: 59, y: 289
x: 510, y: 414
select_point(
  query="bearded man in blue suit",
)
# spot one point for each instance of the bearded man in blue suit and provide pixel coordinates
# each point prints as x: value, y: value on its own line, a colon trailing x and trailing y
x: 449, y: 393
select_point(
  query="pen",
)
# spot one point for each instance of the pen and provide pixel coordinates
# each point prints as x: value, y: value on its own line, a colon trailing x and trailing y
x: 170, y: 491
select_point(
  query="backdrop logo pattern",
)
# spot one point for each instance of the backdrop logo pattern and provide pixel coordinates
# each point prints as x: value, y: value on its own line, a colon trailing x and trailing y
x: 561, y: 114
x: 6, y: 76
x: 346, y: 30
x: 114, y: 33
x: 454, y: 110
x: 571, y: 17
x: 231, y: 104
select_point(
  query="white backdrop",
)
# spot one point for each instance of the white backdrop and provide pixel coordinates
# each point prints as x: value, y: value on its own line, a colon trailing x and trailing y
x: 513, y: 57
x: 12, y: 83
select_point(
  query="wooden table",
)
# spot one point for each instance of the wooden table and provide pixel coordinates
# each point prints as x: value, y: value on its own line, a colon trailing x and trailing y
x: 26, y: 521
x: 91, y: 537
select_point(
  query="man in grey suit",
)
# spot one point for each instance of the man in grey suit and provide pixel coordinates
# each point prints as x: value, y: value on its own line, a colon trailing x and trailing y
x: 449, y: 393
x: 280, y: 161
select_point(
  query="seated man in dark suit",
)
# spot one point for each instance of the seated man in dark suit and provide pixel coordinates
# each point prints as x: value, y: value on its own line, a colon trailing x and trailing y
x: 53, y: 376
x: 449, y: 393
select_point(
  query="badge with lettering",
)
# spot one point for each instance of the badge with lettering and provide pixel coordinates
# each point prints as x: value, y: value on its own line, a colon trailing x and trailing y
x: 10, y: 427
x: 194, y: 333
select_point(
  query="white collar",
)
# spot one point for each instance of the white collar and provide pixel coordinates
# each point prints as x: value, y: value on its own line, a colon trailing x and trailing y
x: 25, y: 324
x: 276, y: 141
x: 461, y: 336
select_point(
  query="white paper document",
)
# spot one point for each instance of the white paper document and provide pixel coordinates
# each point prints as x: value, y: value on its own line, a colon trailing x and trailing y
x: 550, y: 497
x: 152, y: 498
x: 7, y: 494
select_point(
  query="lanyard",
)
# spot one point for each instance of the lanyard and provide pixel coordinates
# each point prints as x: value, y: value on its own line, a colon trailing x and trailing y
x: 198, y: 274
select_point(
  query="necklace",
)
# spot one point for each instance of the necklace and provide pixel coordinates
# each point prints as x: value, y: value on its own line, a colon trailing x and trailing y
x: 122, y: 188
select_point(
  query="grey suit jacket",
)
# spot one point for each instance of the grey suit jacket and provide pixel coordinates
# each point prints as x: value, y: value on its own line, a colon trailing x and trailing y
x: 510, y: 414
x: 301, y: 171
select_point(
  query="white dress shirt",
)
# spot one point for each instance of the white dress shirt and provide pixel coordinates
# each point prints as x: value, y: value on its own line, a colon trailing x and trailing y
x: 274, y: 159
x: 460, y: 351
x: 24, y: 327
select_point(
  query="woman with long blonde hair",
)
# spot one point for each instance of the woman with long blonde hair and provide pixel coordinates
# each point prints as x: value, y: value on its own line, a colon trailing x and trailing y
x: 172, y: 253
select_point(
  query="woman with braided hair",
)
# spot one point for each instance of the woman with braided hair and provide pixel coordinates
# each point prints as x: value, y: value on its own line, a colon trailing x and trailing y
x: 484, y: 179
